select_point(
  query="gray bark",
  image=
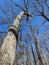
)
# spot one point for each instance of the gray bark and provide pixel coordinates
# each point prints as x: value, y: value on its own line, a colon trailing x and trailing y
x: 9, y: 44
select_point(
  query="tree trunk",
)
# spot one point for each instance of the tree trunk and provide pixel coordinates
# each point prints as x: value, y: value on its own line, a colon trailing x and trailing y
x: 35, y: 62
x: 38, y: 52
x: 29, y: 62
x: 9, y: 44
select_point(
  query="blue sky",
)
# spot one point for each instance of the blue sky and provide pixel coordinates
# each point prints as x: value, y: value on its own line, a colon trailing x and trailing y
x: 35, y: 20
x: 25, y: 25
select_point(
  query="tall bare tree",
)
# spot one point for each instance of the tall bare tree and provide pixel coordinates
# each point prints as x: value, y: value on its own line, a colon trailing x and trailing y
x: 11, y: 39
x: 9, y: 43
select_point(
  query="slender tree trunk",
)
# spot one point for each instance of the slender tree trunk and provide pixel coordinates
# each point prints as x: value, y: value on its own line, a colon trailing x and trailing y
x: 35, y: 62
x: 38, y: 52
x: 9, y: 43
x: 29, y: 62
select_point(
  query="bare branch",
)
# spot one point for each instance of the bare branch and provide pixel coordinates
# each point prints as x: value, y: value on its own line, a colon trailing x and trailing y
x: 46, y: 3
x: 38, y: 1
x: 38, y: 11
x: 17, y: 5
x: 25, y: 5
x: 3, y: 10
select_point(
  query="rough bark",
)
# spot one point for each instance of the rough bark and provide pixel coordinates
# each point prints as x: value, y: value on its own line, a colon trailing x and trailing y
x: 9, y: 43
